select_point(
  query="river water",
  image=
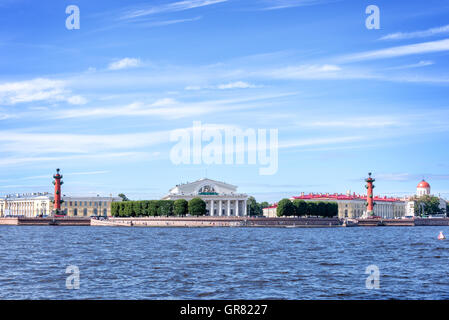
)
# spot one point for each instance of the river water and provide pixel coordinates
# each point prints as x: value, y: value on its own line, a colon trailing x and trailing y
x: 223, y: 263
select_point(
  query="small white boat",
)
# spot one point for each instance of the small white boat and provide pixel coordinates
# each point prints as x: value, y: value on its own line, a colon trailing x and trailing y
x: 441, y: 236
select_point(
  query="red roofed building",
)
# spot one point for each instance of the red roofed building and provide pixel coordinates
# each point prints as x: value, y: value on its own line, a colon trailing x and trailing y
x: 354, y: 205
x: 423, y: 188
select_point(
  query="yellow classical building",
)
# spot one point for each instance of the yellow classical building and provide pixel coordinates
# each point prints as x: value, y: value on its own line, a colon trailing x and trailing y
x: 41, y: 204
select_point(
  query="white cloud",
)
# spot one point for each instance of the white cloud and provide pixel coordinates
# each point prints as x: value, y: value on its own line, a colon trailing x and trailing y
x: 124, y: 64
x: 225, y: 86
x: 393, y: 176
x: 164, y: 102
x: 413, y: 65
x: 39, y: 89
x: 169, y: 108
x: 368, y: 122
x: 77, y: 100
x: 418, y: 48
x: 324, y: 71
x: 171, y: 7
x: 193, y: 88
x: 13, y: 161
x: 236, y: 85
x: 169, y: 22
x: 320, y: 141
x: 284, y: 4
x: 36, y: 143
x: 416, y: 34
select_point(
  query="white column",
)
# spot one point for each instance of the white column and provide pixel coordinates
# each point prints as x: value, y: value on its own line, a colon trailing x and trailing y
x: 236, y: 208
x: 211, y: 209
x: 245, y: 210
x: 229, y: 207
x: 220, y: 208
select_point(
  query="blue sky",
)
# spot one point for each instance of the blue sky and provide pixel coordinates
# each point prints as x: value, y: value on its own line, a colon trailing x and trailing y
x: 101, y: 101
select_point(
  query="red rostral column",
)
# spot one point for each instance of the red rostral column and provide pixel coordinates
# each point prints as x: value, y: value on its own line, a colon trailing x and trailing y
x: 57, y: 182
x: 370, y: 196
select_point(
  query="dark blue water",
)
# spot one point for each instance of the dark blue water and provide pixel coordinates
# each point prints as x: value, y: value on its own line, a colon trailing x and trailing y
x: 223, y: 263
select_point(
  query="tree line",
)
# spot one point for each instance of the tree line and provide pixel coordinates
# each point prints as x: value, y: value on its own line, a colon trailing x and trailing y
x: 255, y: 208
x: 298, y: 208
x: 152, y: 208
x: 181, y: 207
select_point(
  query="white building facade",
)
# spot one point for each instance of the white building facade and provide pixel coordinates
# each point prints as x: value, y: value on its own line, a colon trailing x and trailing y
x: 222, y: 199
x: 41, y: 204
x: 26, y: 205
x: 423, y: 189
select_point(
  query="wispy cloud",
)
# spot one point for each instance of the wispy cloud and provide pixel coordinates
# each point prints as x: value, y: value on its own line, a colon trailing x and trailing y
x: 168, y: 22
x: 39, y: 89
x: 308, y: 71
x: 320, y: 141
x: 413, y: 65
x: 225, y: 86
x: 284, y: 4
x: 417, y: 34
x: 14, y: 161
x: 170, y: 108
x: 86, y: 173
x: 171, y: 7
x: 418, y: 48
x: 236, y: 85
x: 37, y: 143
x: 361, y: 122
x: 411, y: 176
x: 49, y: 176
x: 124, y: 63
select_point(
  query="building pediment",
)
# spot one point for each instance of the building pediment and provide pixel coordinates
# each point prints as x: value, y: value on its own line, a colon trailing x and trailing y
x: 204, y: 186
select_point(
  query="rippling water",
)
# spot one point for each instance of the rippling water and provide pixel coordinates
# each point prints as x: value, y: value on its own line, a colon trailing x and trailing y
x: 223, y: 263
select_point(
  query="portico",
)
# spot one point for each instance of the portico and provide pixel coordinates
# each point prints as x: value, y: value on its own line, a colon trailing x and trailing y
x: 221, y: 198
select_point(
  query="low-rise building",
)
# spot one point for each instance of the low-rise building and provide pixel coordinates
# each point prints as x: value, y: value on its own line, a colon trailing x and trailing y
x: 270, y: 212
x: 423, y: 189
x: 41, y: 204
x: 352, y: 205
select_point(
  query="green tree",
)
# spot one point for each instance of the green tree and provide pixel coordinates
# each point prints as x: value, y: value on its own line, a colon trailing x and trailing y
x: 180, y: 207
x: 123, y: 196
x: 427, y: 205
x: 129, y: 209
x: 331, y: 209
x: 285, y: 208
x: 122, y: 209
x: 115, y: 209
x: 137, y: 208
x: 165, y: 208
x: 144, y: 208
x: 300, y: 207
x: 321, y: 209
x: 254, y: 208
x: 197, y: 207
x: 312, y: 208
x: 264, y: 205
x: 152, y: 208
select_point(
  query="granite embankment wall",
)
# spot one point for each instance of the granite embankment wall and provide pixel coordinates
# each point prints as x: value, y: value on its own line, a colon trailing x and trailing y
x: 9, y: 221
x: 45, y: 221
x: 432, y: 222
x: 217, y: 222
x: 403, y: 222
x: 385, y: 222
